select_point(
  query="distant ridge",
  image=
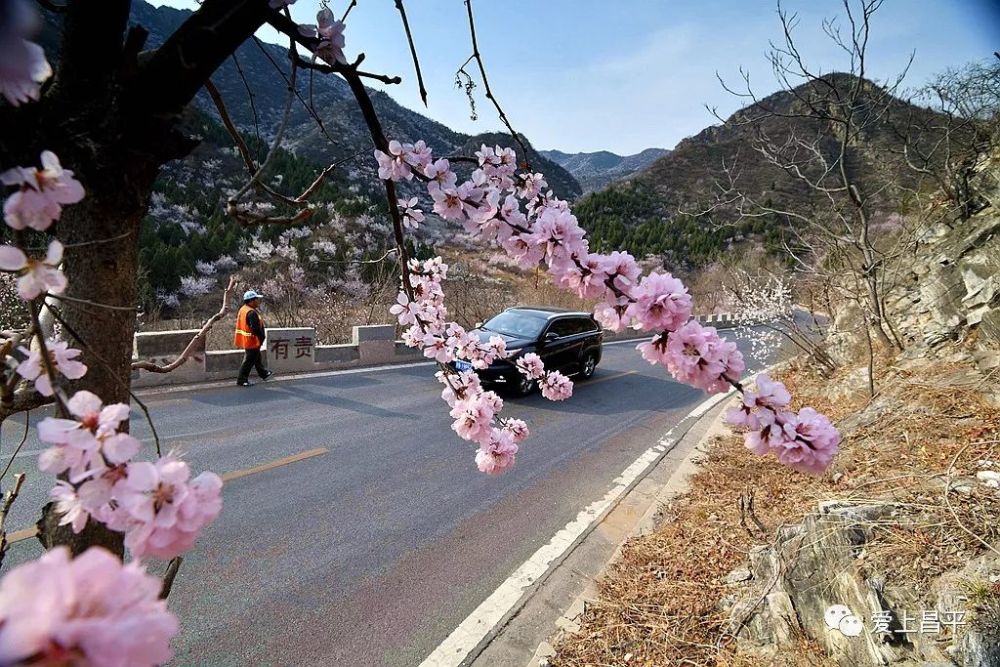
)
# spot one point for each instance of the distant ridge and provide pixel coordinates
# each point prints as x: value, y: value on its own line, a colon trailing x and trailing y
x: 595, y: 170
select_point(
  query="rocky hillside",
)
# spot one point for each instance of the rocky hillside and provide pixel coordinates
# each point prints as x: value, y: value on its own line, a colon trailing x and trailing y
x: 656, y: 210
x: 595, y: 170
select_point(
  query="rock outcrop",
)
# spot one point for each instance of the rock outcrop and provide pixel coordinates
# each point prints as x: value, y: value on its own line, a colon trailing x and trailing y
x: 813, y: 581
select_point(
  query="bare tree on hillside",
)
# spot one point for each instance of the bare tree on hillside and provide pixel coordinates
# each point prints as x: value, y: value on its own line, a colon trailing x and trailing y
x: 826, y: 124
x: 946, y: 146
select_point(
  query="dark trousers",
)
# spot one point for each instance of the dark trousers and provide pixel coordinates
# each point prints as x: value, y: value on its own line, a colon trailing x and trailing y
x: 252, y: 359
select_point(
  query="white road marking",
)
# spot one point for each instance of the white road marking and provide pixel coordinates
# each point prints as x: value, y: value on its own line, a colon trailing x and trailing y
x: 478, y: 625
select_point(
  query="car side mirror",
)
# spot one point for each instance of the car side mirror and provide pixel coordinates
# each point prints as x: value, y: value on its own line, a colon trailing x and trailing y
x: 478, y: 324
x: 550, y: 336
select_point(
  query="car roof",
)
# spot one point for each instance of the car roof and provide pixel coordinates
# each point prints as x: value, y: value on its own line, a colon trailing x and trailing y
x: 548, y: 312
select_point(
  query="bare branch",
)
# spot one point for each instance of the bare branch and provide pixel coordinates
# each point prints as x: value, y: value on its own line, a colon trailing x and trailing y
x: 197, y: 342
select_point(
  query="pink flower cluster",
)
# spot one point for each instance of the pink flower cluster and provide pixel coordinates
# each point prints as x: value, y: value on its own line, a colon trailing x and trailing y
x: 41, y: 193
x: 476, y: 415
x: 475, y: 412
x: 90, y: 610
x: 697, y: 356
x: 806, y: 441
x: 36, y: 205
x: 499, y: 204
x: 157, y: 506
x: 63, y: 360
x: 23, y: 67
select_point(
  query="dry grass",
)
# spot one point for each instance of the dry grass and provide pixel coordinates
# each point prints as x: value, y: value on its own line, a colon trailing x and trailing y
x: 659, y: 603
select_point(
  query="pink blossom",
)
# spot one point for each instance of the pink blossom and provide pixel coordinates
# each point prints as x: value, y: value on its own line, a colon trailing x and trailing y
x: 661, y: 303
x: 436, y: 348
x: 556, y: 387
x: 525, y: 250
x: 585, y: 275
x: 447, y: 202
x: 744, y: 414
x: 42, y: 194
x: 405, y: 310
x: 77, y: 442
x: 696, y: 355
x: 412, y: 216
x: 473, y: 418
x: 623, y: 270
x: 654, y: 351
x: 611, y: 316
x: 91, y: 610
x: 530, y: 186
x: 458, y: 386
x: 162, y: 509
x: 69, y: 506
x: 393, y: 166
x: 815, y: 444
x: 531, y: 366
x: 771, y: 430
x: 418, y: 155
x: 63, y: 360
x: 487, y: 156
x: 517, y: 428
x: 510, y: 211
x: 771, y: 392
x: 440, y: 173
x: 497, y: 453
x: 37, y: 276
x: 331, y: 35
x: 561, y: 233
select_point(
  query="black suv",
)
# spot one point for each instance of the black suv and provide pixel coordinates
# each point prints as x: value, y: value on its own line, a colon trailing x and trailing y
x: 566, y: 341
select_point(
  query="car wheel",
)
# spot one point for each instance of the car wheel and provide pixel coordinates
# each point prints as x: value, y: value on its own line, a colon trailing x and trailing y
x: 588, y: 366
x: 525, y: 386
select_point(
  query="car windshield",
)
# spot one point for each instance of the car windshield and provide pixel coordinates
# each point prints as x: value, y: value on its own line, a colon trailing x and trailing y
x: 516, y: 323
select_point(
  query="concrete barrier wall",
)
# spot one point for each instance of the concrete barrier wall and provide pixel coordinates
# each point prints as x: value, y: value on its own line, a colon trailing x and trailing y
x: 287, y: 351
x: 294, y: 350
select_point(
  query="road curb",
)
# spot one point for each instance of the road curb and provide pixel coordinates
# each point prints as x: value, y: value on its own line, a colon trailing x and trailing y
x: 676, y: 485
x: 481, y: 628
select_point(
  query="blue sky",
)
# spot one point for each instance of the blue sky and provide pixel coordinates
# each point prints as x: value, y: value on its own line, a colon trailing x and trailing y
x: 583, y: 75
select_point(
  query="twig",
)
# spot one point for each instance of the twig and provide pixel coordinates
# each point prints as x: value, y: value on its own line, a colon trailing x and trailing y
x: 85, y: 302
x: 8, y: 501
x: 486, y: 84
x: 413, y: 51
x: 168, y: 577
x: 24, y: 439
x: 954, y: 514
x: 193, y: 344
x: 278, y: 135
x: 121, y: 383
x: 241, y: 145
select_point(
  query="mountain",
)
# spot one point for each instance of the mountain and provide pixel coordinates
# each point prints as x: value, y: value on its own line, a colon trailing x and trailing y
x: 187, y: 239
x: 264, y: 69
x: 662, y: 209
x: 595, y: 170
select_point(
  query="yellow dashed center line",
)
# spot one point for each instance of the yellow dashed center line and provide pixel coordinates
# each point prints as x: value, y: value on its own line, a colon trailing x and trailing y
x: 277, y: 463
x: 28, y: 533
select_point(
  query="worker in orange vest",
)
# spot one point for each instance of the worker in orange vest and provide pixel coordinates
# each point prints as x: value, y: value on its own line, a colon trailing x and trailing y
x: 249, y: 337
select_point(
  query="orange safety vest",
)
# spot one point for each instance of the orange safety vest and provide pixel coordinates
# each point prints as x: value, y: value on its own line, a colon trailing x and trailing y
x: 244, y: 338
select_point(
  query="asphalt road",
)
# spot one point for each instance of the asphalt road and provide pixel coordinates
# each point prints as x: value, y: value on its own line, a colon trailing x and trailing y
x: 356, y: 529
